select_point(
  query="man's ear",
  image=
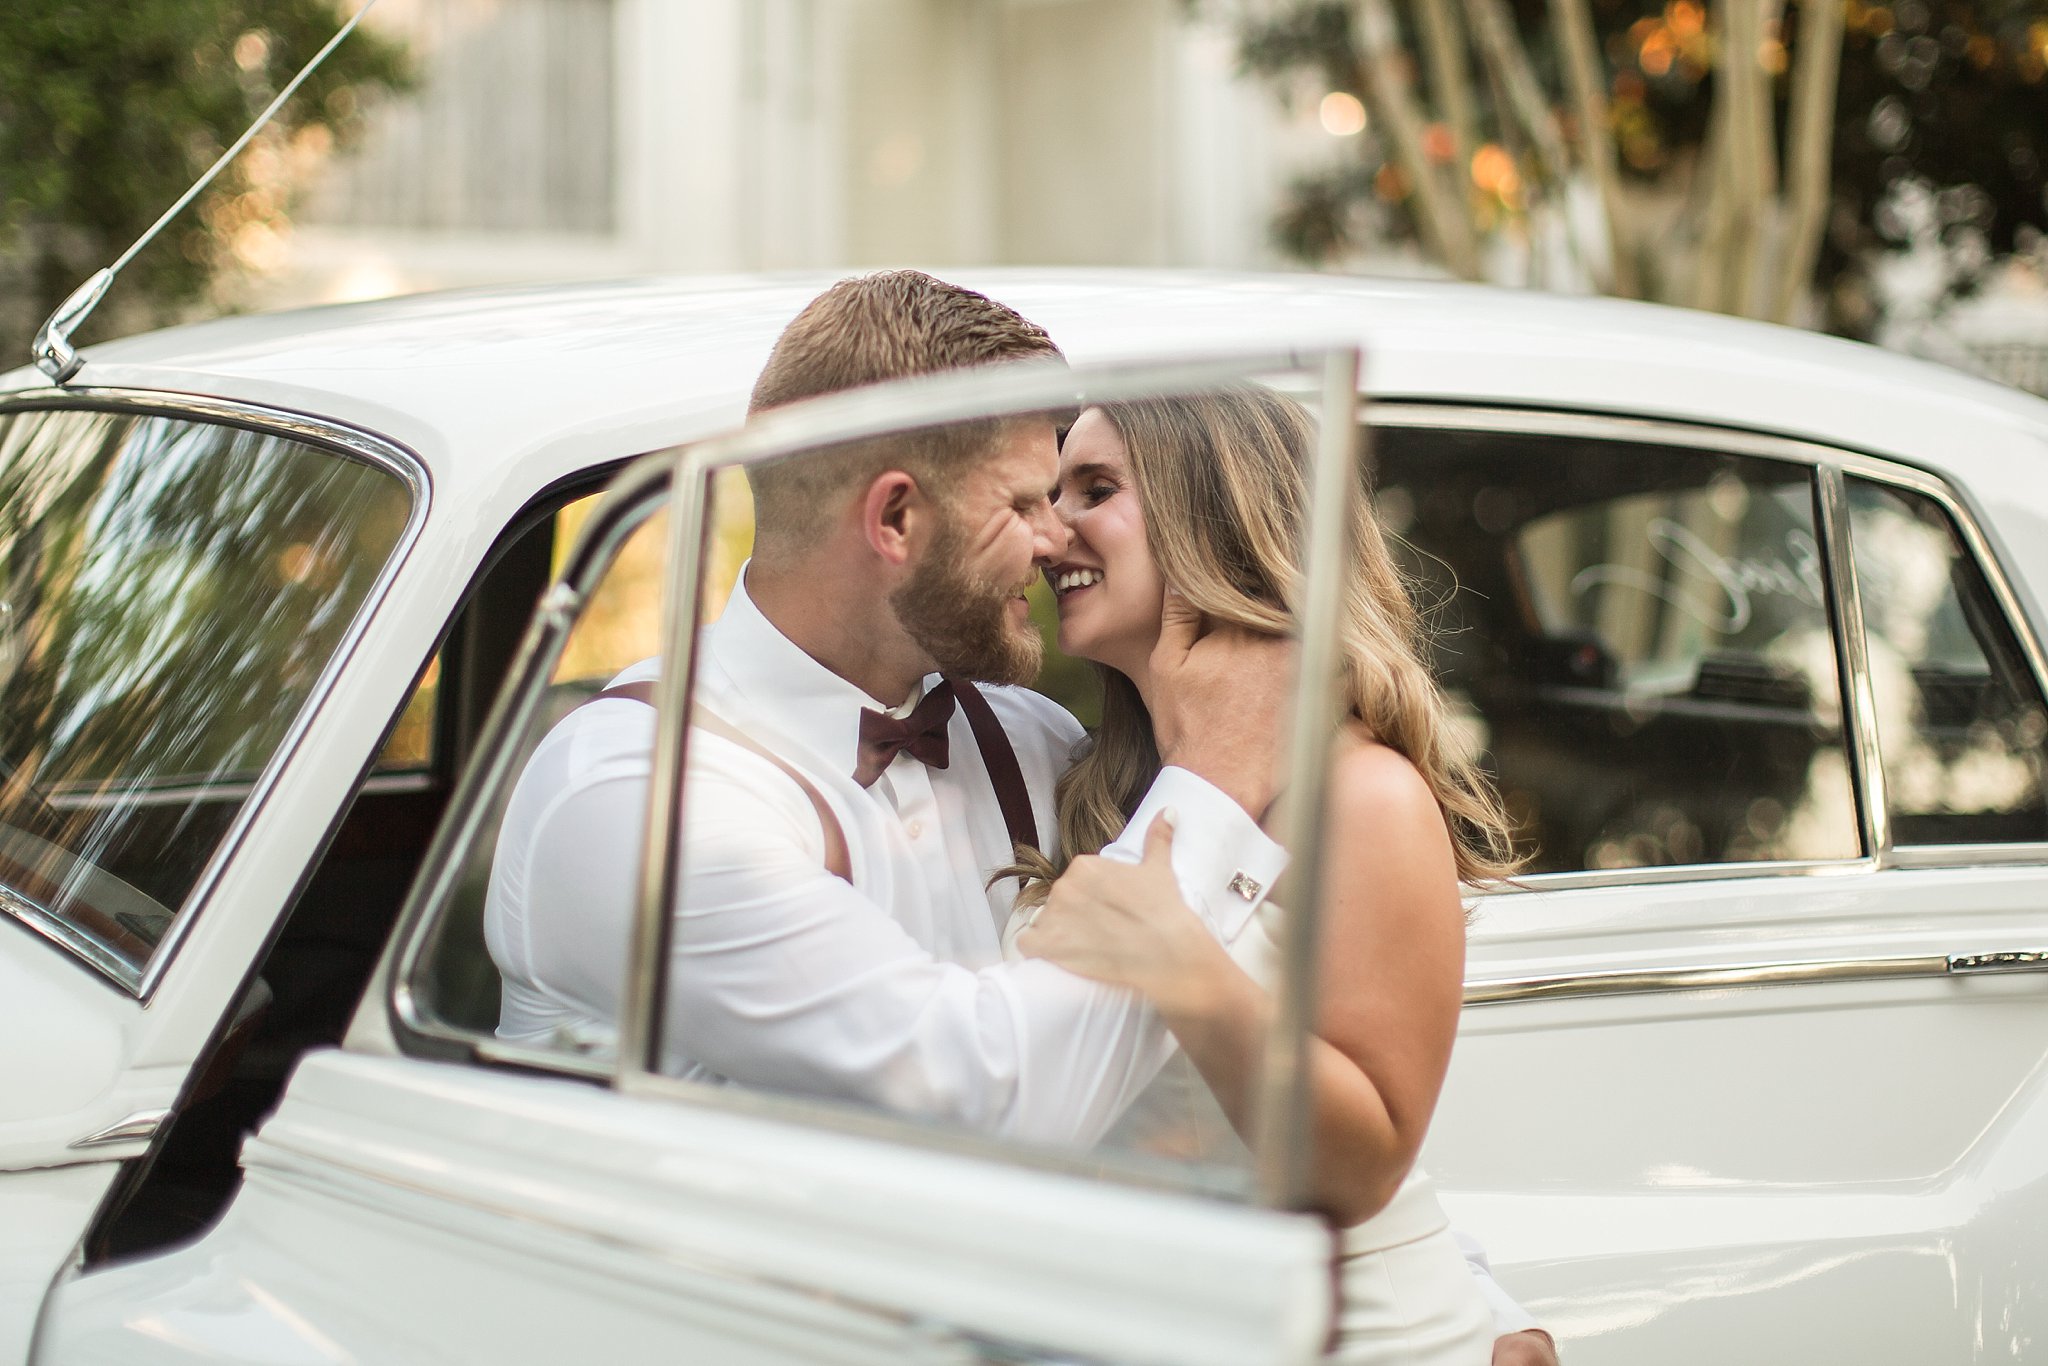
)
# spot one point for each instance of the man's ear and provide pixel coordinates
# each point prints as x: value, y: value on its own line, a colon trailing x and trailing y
x: 893, y: 515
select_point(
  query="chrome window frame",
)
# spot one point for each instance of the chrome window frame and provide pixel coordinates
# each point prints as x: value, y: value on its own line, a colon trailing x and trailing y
x: 1831, y: 465
x: 1280, y: 1156
x: 334, y: 438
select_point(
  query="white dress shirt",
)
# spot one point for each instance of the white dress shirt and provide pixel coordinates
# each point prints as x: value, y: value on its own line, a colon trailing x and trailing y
x: 891, y: 989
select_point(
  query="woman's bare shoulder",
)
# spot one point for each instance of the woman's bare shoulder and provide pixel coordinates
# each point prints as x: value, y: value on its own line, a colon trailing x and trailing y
x: 1377, y: 794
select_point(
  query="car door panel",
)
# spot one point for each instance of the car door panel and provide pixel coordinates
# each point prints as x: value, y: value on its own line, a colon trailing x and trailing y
x: 1891, y: 1120
x: 391, y: 1205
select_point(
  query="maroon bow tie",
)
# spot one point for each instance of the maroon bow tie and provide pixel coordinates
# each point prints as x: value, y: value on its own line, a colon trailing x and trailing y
x: 923, y: 733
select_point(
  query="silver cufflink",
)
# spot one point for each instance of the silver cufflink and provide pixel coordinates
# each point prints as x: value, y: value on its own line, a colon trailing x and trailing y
x: 1246, y: 886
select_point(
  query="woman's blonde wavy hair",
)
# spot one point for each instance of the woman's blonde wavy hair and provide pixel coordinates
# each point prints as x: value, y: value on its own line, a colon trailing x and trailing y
x: 1222, y: 480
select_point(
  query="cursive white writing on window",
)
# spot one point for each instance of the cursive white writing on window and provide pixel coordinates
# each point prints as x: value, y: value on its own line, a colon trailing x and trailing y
x: 1718, y: 591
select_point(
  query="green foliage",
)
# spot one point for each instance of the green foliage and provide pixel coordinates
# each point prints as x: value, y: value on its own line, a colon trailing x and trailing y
x: 1950, y: 95
x: 110, y: 109
x: 1317, y: 35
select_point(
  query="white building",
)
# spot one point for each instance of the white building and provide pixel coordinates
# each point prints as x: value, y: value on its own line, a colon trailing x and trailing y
x: 557, y: 138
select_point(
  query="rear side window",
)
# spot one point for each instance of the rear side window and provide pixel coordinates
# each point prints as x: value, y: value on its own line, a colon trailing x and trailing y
x: 1960, y: 720
x: 1637, y: 638
x: 170, y: 592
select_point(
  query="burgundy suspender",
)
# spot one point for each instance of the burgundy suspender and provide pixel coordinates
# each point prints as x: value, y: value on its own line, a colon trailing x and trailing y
x: 997, y: 756
x: 838, y: 861
x: 1000, y: 759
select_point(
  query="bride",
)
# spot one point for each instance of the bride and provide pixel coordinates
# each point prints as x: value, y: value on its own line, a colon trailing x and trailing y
x: 1207, y: 495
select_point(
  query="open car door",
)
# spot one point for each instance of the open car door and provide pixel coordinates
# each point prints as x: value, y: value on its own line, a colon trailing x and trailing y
x: 447, y: 1186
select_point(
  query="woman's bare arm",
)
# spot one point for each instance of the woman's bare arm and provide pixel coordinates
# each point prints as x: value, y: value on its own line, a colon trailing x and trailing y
x: 1392, y: 979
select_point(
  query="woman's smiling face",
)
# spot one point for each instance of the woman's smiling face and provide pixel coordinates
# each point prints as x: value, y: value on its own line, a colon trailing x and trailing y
x: 1109, y: 590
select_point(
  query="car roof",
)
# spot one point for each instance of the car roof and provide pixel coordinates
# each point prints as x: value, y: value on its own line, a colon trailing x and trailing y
x: 545, y: 361
x: 520, y: 387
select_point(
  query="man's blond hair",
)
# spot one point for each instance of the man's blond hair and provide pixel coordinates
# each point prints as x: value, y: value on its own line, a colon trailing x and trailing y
x: 868, y: 330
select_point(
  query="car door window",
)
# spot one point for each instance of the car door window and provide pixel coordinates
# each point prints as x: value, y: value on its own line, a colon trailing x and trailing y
x: 171, y: 592
x: 1960, y: 719
x: 1639, y: 640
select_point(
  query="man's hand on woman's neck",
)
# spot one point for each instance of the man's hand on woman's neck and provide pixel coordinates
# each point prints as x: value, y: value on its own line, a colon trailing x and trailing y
x: 1218, y: 699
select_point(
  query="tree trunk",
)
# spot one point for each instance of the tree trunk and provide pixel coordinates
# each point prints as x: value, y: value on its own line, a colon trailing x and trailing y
x: 1508, y: 61
x: 1585, y: 77
x: 1446, y: 225
x: 1809, y: 149
x: 1450, y: 79
x: 1711, y: 260
x: 1493, y: 29
x: 1765, y: 224
x: 1748, y: 151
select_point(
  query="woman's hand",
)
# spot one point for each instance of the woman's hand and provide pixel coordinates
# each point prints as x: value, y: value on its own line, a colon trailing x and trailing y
x: 1125, y: 924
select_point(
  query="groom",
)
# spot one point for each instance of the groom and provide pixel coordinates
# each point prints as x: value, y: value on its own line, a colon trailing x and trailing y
x: 852, y: 784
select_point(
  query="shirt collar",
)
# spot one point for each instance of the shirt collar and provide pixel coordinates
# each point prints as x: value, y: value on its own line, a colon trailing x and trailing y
x: 773, y: 678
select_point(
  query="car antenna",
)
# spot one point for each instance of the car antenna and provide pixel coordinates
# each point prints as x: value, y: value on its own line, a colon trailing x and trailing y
x: 54, y: 354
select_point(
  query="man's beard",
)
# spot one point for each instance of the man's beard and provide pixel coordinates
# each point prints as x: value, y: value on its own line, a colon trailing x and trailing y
x: 962, y: 621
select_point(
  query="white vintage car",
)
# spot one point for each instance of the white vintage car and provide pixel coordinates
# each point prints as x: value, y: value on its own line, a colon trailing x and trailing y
x: 1755, y: 1060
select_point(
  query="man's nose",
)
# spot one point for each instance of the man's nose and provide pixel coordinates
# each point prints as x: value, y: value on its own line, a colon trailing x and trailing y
x: 1053, y: 534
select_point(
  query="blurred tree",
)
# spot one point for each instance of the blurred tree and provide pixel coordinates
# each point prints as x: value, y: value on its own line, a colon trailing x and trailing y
x: 1621, y: 143
x: 110, y: 109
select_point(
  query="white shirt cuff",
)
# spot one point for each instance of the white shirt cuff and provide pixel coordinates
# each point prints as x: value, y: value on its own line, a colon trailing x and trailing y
x: 1223, y: 862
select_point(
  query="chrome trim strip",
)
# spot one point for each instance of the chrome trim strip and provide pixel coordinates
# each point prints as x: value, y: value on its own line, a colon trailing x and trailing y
x: 1723, y: 977
x: 1596, y: 878
x: 179, y: 793
x: 1394, y: 412
x: 642, y: 1003
x: 1852, y: 677
x: 400, y: 781
x: 1967, y: 855
x: 141, y: 1124
x: 334, y: 437
x: 1282, y: 1120
x: 990, y: 391
x: 1735, y: 976
x: 490, y: 1048
x: 360, y: 442
x: 71, y: 939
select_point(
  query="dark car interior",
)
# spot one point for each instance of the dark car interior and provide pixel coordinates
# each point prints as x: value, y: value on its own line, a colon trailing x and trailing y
x: 1596, y: 771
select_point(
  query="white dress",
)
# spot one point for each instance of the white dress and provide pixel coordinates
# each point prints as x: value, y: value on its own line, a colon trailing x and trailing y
x: 1408, y: 1293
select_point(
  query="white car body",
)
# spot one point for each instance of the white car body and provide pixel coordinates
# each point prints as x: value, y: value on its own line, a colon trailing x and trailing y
x: 1705, y: 1111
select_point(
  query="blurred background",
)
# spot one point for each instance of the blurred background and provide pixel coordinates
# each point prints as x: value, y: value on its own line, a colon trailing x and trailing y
x: 1875, y: 168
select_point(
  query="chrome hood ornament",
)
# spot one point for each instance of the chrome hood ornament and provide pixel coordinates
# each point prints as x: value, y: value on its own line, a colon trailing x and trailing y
x: 54, y: 354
